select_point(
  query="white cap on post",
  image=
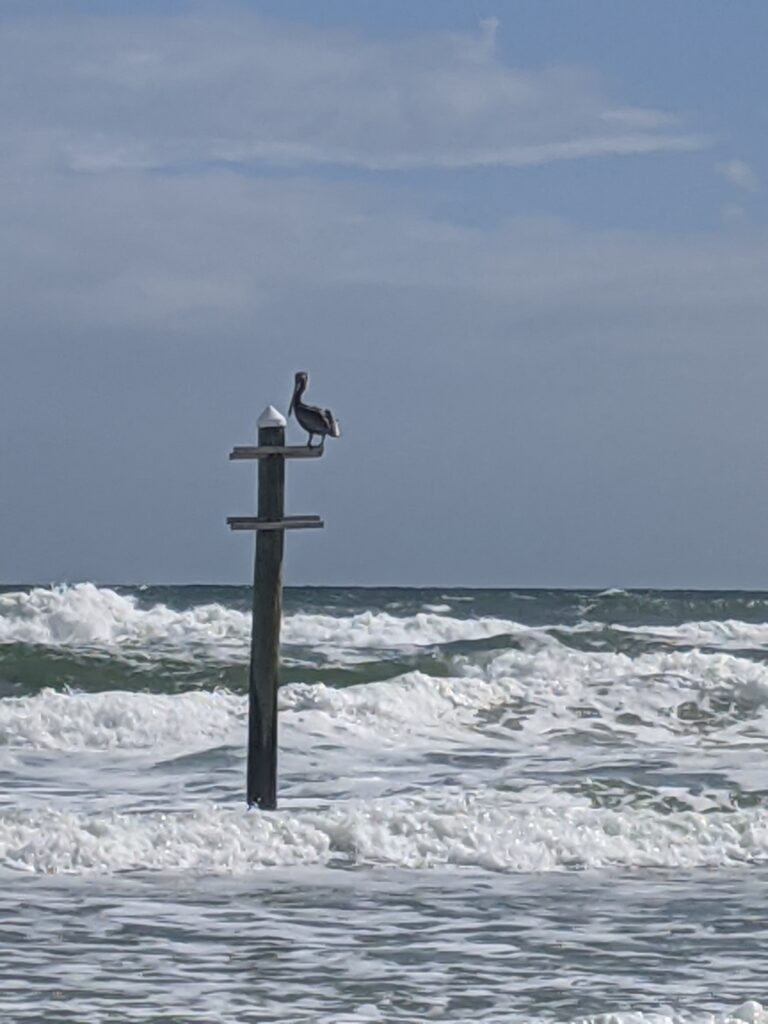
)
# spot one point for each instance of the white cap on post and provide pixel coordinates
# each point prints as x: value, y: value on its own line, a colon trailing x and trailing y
x: 271, y: 417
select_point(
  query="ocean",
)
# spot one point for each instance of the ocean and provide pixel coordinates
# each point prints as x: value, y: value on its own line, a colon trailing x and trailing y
x: 495, y: 806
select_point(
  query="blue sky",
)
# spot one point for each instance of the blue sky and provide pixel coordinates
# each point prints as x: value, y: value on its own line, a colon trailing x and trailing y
x: 520, y: 247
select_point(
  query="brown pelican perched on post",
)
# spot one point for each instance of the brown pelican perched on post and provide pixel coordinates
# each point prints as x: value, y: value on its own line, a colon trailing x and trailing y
x: 314, y: 419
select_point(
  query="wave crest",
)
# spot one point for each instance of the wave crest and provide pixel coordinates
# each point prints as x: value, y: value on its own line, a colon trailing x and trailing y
x: 115, y: 720
x: 491, y: 831
x: 86, y: 616
x: 518, y: 699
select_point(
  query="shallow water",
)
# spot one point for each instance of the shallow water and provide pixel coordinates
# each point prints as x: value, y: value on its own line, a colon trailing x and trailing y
x: 495, y: 806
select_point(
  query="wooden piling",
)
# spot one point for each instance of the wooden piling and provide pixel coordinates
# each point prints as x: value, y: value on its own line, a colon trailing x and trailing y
x: 270, y: 525
x: 267, y: 612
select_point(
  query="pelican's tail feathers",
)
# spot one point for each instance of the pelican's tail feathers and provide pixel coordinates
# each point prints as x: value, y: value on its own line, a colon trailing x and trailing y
x: 333, y: 423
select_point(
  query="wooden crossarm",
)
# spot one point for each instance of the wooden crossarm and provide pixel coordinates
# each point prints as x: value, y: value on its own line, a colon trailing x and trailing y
x: 293, y: 451
x: 286, y: 523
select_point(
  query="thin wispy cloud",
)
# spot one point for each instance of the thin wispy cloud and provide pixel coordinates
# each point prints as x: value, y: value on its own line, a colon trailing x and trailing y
x: 200, y: 252
x: 246, y: 90
x: 740, y: 174
x: 99, y: 102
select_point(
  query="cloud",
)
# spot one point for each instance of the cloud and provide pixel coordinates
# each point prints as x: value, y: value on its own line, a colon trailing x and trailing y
x: 227, y: 86
x: 740, y: 174
x: 128, y: 194
x: 220, y: 252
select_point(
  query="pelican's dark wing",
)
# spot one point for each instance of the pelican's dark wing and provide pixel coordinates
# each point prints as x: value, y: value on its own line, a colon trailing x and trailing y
x: 311, y: 418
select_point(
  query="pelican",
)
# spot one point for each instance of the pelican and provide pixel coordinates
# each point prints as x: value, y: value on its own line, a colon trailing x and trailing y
x: 314, y: 419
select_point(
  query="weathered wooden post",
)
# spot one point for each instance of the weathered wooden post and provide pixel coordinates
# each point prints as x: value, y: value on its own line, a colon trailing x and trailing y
x: 269, y: 524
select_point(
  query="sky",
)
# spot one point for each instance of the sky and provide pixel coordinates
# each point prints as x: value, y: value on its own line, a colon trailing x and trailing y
x: 520, y: 246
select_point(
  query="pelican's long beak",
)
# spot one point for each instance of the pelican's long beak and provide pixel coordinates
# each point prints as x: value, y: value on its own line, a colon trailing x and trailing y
x: 293, y: 399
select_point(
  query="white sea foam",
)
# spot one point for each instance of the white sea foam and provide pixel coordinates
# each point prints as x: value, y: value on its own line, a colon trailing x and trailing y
x: 728, y: 634
x: 645, y: 698
x: 519, y: 698
x: 407, y: 711
x: 382, y: 630
x: 86, y: 616
x: 749, y: 1012
x: 542, y: 830
x: 51, y: 720
x: 531, y: 696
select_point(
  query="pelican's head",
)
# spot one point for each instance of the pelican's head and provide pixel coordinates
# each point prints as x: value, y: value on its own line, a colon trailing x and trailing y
x: 300, y: 382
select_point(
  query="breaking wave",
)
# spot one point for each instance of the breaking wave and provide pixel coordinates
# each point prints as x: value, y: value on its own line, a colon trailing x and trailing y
x: 540, y: 830
x: 115, y: 719
x: 86, y: 616
x: 518, y: 696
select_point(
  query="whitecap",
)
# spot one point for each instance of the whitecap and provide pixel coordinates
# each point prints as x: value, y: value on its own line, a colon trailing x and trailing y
x: 540, y: 830
x: 84, y: 616
x: 518, y: 699
x: 115, y: 720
